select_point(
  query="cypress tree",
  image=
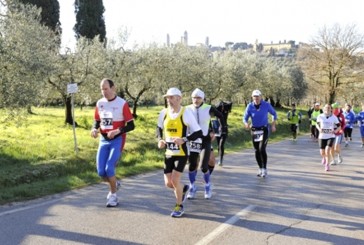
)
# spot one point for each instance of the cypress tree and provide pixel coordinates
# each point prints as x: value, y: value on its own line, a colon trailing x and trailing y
x: 50, y: 13
x: 90, y: 21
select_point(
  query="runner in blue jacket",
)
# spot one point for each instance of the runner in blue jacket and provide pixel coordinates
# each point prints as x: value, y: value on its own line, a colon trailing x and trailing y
x: 258, y: 111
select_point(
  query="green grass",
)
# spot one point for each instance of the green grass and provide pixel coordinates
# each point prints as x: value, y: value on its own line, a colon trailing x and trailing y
x: 39, y: 158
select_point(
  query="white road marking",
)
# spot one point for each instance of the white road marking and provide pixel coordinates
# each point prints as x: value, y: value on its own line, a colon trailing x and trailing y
x: 221, y: 228
x: 28, y: 207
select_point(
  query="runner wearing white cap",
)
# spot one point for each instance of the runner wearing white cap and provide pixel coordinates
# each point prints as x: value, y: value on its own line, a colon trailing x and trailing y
x: 258, y: 112
x: 173, y: 124
x: 200, y: 149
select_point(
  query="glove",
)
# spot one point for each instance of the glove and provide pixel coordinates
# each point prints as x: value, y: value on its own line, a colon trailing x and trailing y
x: 299, y: 121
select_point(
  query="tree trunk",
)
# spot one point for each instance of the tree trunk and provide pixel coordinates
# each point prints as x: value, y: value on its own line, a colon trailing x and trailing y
x: 29, y: 110
x: 135, y: 108
x: 69, y: 118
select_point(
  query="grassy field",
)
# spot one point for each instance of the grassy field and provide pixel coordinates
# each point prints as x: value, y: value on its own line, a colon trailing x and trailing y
x: 39, y: 158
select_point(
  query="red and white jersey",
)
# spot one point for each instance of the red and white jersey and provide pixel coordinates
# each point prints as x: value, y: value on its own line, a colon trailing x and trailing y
x: 112, y: 114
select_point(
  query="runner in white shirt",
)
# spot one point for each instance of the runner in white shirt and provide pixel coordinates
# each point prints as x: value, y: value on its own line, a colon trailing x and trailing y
x: 328, y: 125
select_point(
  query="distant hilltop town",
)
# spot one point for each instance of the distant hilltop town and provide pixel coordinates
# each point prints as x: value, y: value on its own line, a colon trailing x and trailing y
x: 285, y: 48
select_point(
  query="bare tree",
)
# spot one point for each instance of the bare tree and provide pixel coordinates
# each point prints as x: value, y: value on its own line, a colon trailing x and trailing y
x: 330, y: 59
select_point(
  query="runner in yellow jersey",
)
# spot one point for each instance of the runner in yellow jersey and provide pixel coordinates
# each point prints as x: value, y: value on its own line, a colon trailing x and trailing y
x: 173, y: 124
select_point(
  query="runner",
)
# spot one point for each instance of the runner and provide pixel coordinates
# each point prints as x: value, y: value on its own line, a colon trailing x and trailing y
x: 349, y: 123
x: 337, y: 111
x: 328, y: 125
x: 295, y: 117
x: 200, y: 149
x: 258, y: 112
x: 314, y: 114
x: 112, y: 119
x: 173, y: 124
x: 225, y: 109
x: 360, y: 120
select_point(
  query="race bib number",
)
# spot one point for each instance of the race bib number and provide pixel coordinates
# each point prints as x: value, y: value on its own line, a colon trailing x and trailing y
x: 172, y: 147
x: 258, y: 135
x: 327, y: 130
x: 106, y: 120
x: 196, y: 146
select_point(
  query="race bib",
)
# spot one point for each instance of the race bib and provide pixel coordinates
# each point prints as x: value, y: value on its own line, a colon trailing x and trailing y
x: 258, y: 135
x: 172, y: 147
x: 196, y: 146
x: 106, y: 120
x: 327, y: 130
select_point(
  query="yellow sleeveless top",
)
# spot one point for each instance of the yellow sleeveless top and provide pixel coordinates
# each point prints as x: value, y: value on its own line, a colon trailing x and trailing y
x: 175, y: 128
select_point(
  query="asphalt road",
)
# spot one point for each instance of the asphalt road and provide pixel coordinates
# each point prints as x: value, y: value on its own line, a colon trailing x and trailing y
x: 298, y: 203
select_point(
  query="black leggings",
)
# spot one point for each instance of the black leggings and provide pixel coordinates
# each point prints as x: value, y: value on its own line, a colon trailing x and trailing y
x: 347, y: 132
x: 204, y: 158
x: 260, y: 148
x: 221, y: 146
x: 314, y: 131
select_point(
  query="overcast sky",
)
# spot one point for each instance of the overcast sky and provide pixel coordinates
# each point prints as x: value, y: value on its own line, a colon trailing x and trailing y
x: 228, y: 20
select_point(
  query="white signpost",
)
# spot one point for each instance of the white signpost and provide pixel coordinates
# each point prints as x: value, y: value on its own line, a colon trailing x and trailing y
x: 72, y: 89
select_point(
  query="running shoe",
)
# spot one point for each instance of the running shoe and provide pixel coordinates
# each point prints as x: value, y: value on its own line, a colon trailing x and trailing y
x: 264, y: 172
x: 177, y: 211
x: 346, y: 144
x: 362, y: 145
x: 112, y: 201
x: 186, y: 188
x: 260, y: 172
x: 192, y: 193
x: 118, y: 185
x: 327, y: 167
x: 333, y: 162
x: 339, y: 159
x: 219, y: 163
x: 208, y: 192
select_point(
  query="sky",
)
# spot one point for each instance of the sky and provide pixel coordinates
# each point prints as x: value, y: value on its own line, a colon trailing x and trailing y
x: 265, y: 21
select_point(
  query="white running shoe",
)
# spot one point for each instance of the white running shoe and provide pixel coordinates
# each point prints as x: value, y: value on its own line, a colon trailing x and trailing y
x: 118, y: 185
x: 264, y: 172
x: 333, y: 162
x: 208, y: 192
x: 260, y: 171
x: 339, y: 159
x: 192, y: 193
x: 112, y: 201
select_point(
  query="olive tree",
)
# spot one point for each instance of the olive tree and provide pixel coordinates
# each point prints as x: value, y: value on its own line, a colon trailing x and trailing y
x: 27, y: 54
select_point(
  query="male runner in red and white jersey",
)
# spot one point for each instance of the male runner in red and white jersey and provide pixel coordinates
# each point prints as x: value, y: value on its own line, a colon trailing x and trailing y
x: 112, y: 119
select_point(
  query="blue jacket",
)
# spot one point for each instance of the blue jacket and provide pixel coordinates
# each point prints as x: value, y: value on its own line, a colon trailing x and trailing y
x: 349, y: 119
x: 259, y: 115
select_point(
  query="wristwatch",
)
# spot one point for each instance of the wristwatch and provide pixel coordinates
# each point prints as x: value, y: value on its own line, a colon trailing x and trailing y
x: 185, y: 139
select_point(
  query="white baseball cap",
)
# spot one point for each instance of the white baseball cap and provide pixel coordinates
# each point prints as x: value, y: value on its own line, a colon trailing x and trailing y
x: 256, y: 93
x: 198, y: 93
x: 172, y: 92
x: 317, y: 103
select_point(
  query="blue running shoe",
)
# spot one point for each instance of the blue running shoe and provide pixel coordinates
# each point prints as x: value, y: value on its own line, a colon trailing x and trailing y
x: 177, y: 211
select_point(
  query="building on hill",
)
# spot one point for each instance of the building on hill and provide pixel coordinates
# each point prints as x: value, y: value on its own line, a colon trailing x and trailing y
x: 277, y: 49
